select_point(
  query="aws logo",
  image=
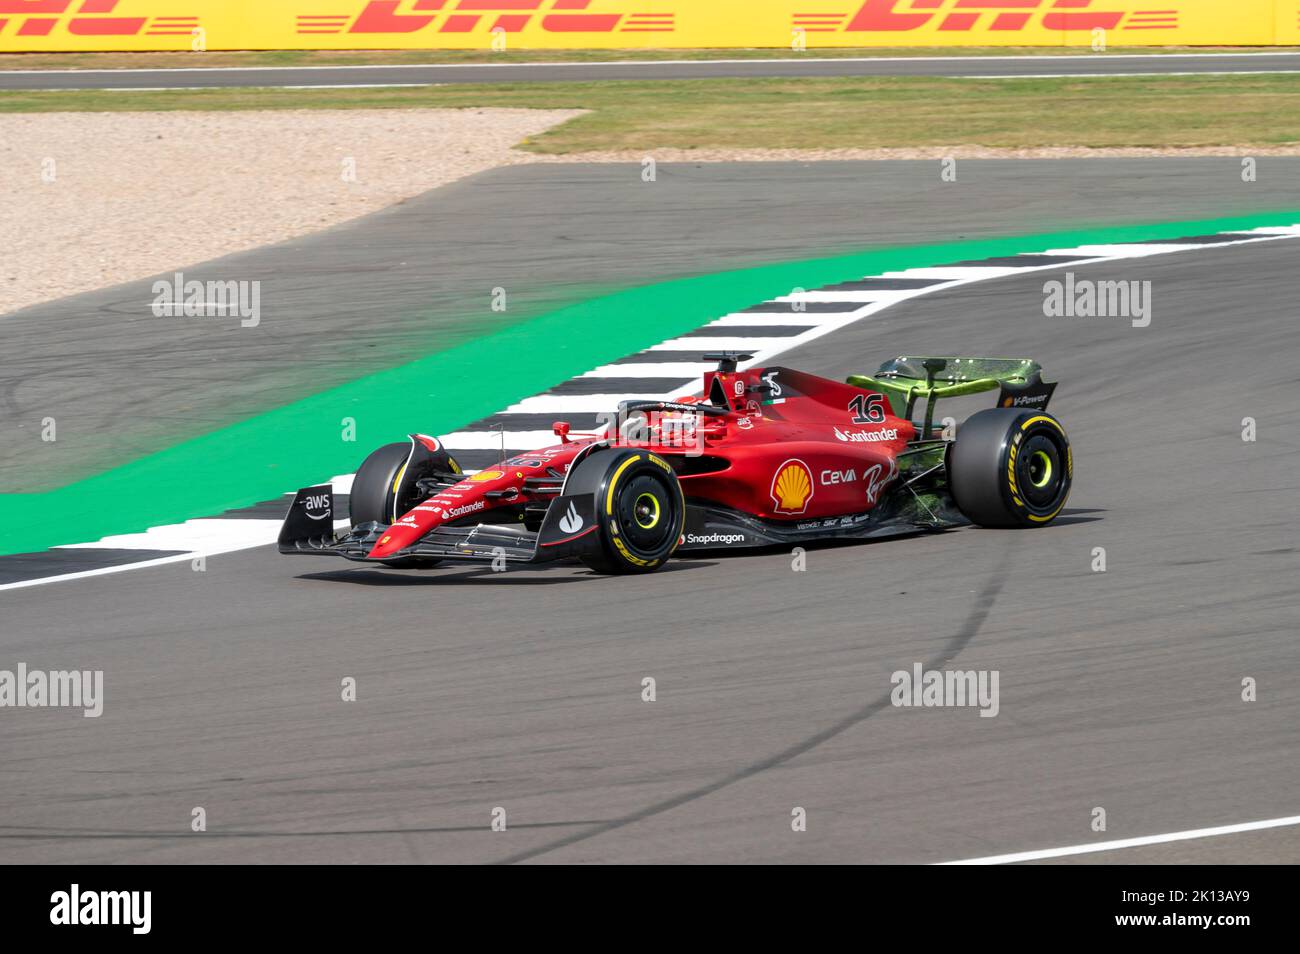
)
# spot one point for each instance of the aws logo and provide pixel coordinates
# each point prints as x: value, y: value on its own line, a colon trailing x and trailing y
x: 87, y: 18
x: 469, y: 16
x: 318, y: 506
x: 792, y: 487
x: 895, y: 16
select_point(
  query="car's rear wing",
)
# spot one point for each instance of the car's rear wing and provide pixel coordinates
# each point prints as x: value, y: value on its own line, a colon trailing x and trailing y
x: 905, y: 380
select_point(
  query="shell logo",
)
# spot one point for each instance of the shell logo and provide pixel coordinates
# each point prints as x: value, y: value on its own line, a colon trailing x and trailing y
x: 792, y: 487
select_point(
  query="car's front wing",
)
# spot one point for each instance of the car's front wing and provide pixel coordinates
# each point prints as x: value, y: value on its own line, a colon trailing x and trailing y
x: 567, y: 528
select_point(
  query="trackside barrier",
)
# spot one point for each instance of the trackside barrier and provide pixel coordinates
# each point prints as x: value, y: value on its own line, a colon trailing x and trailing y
x: 65, y: 25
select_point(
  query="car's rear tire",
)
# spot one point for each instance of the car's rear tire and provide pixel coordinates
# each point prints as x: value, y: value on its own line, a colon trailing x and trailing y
x: 1010, y: 467
x: 640, y: 510
x: 373, y: 495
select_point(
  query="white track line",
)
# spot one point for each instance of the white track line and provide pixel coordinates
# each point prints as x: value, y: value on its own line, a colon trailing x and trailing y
x: 1109, y: 75
x: 880, y: 296
x: 575, y: 403
x: 1065, y: 58
x: 677, y: 370
x: 1189, y: 835
x: 205, y: 534
x: 1273, y: 230
x: 186, y: 89
x: 763, y: 349
x: 1114, y: 252
x: 959, y: 273
x: 700, y: 343
x: 214, y: 547
x: 433, y: 81
x: 767, y: 320
x: 102, y: 571
x: 491, y: 440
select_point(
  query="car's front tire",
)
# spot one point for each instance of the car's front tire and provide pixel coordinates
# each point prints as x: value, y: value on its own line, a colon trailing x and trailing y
x: 1010, y: 468
x: 373, y: 498
x: 640, y: 509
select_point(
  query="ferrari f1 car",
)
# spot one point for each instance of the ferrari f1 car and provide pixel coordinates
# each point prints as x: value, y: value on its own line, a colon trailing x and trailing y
x: 762, y: 457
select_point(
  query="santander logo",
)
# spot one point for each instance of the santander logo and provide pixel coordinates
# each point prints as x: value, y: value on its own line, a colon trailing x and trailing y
x: 867, y: 437
x: 571, y: 522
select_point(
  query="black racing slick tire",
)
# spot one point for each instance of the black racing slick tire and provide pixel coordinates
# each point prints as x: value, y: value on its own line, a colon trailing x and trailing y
x: 640, y: 510
x: 1010, y: 467
x: 373, y: 497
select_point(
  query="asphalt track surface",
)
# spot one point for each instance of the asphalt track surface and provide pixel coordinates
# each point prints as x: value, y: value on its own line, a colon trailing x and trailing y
x: 1095, y: 64
x: 419, y: 277
x: 476, y: 690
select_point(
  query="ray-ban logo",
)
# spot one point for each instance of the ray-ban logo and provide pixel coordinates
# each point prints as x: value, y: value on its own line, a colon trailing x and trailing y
x: 178, y: 298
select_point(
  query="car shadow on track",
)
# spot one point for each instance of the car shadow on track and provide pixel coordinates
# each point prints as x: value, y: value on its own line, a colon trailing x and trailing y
x: 445, y: 576
x: 545, y: 575
x: 1077, y: 515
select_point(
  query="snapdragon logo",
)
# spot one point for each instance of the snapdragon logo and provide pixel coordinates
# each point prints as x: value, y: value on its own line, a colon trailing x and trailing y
x: 1089, y: 299
x: 57, y: 688
x: 724, y: 538
x: 178, y: 298
x: 75, y: 907
x: 933, y: 688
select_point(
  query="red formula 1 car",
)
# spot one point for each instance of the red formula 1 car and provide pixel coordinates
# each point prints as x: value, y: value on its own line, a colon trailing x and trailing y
x: 766, y: 457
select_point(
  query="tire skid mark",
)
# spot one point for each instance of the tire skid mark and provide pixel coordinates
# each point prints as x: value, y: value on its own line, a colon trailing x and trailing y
x: 969, y: 629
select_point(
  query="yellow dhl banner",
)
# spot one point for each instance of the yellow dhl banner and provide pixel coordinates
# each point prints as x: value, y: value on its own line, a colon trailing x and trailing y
x: 52, y: 25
